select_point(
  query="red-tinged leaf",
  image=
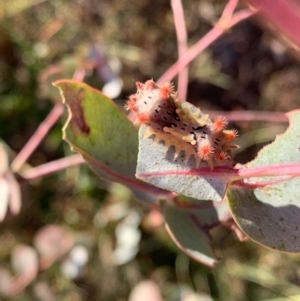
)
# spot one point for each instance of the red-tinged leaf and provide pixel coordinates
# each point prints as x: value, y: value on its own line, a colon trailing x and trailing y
x: 282, y: 17
x: 270, y: 214
x: 99, y: 130
x: 209, y: 214
x: 159, y: 166
x: 189, y: 235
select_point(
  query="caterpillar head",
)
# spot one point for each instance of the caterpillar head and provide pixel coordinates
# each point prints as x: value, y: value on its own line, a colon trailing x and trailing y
x: 147, y: 99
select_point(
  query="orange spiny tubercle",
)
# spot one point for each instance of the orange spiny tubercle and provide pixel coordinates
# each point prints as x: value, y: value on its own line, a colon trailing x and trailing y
x: 139, y: 85
x: 220, y: 124
x: 130, y: 104
x: 222, y: 156
x: 182, y: 124
x: 143, y: 119
x: 166, y: 90
x: 205, y: 151
x: 230, y: 135
x: 150, y: 84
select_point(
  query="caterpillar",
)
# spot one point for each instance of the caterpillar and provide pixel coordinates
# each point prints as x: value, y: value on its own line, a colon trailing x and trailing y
x: 188, y: 129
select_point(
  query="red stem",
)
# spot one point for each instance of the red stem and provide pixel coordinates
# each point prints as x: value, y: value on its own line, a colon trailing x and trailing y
x: 203, y: 43
x: 191, y: 54
x: 181, y: 34
x: 250, y: 116
x: 52, y: 167
x: 229, y: 9
x: 37, y: 137
x: 233, y: 174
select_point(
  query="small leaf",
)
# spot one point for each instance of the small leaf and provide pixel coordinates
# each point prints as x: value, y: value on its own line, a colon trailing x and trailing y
x: 160, y: 167
x: 270, y: 214
x: 99, y: 130
x: 209, y: 213
x: 191, y: 237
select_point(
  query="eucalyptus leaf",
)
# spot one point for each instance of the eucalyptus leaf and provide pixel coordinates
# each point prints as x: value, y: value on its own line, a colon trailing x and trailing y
x: 102, y: 134
x: 189, y: 234
x: 160, y: 166
x: 270, y: 214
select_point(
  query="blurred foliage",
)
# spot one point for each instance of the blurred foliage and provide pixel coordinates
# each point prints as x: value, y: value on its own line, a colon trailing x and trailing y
x: 254, y: 71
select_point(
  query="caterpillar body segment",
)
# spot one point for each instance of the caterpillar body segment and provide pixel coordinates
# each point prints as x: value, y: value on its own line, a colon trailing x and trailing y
x: 181, y: 124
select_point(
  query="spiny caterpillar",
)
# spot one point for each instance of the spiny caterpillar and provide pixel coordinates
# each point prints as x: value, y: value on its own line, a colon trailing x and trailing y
x: 181, y: 124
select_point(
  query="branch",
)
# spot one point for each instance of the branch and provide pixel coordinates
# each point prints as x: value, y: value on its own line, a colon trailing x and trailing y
x: 43, y: 128
x: 286, y: 171
x: 276, y: 117
x: 271, y: 170
x: 218, y: 30
x: 52, y: 167
x: 37, y: 137
x: 181, y: 34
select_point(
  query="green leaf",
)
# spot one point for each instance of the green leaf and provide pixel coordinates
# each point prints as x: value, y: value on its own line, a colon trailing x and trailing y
x: 209, y: 214
x: 102, y: 134
x: 158, y: 166
x: 270, y: 214
x: 189, y: 234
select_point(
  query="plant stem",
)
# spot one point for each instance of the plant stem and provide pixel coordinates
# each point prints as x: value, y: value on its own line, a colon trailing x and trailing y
x: 37, y: 137
x: 233, y: 116
x: 234, y: 174
x: 52, y: 167
x: 291, y: 169
x: 181, y: 34
x: 218, y: 30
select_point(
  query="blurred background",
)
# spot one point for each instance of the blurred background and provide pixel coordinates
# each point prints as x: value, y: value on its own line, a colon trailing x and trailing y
x: 80, y: 238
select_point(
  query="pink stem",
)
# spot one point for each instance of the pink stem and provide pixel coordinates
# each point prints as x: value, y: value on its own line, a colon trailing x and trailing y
x: 202, y: 44
x: 270, y: 170
x: 37, y: 137
x: 191, y: 54
x: 240, y: 16
x: 229, y: 9
x: 52, y: 167
x: 261, y: 184
x: 181, y: 34
x: 250, y: 116
x: 43, y: 129
x: 232, y: 174
x: 282, y: 16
